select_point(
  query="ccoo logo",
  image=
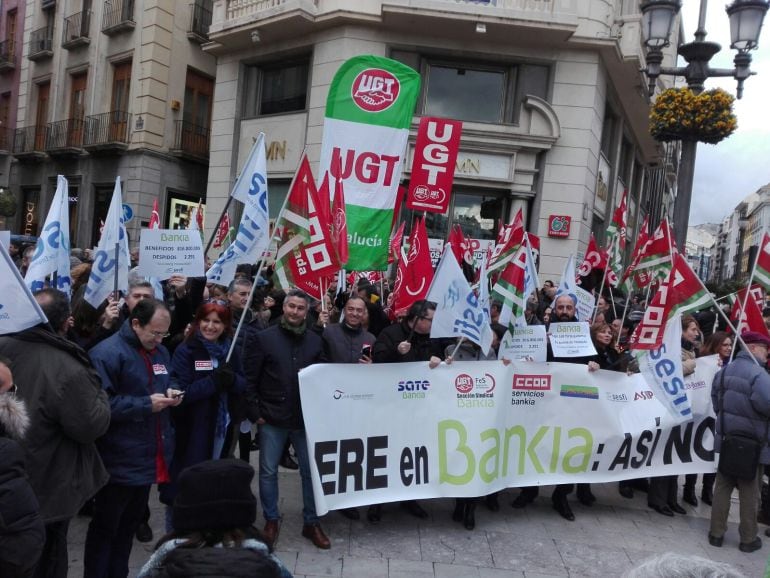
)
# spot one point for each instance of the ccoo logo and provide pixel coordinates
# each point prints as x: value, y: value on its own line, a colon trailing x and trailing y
x: 374, y: 90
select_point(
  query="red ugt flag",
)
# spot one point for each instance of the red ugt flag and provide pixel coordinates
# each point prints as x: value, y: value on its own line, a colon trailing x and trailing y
x: 433, y: 166
x: 415, y: 272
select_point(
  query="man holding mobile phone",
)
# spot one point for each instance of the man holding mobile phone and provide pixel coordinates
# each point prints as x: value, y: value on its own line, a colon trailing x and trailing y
x: 349, y: 342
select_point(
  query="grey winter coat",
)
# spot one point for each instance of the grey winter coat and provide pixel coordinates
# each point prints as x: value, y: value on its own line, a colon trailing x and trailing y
x: 746, y: 402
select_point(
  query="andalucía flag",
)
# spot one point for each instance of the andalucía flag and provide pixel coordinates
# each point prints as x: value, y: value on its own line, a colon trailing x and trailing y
x: 368, y: 114
x: 510, y: 288
x: 762, y: 272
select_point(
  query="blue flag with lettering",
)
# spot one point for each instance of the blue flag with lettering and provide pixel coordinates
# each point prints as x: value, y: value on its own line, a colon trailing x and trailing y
x: 112, y: 257
x: 18, y: 309
x: 252, y: 237
x: 52, y: 253
x: 458, y: 310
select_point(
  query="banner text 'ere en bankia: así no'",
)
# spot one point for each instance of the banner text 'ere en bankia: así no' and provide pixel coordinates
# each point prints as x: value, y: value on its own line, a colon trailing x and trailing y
x: 403, y: 431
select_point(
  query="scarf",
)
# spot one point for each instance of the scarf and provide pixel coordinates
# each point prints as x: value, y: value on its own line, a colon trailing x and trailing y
x: 218, y: 352
x: 216, y: 349
x: 298, y: 330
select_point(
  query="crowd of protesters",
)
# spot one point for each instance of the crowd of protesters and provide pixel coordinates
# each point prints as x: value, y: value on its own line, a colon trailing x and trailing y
x: 158, y: 389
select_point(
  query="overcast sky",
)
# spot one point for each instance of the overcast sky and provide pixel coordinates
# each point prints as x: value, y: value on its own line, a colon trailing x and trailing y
x: 727, y: 172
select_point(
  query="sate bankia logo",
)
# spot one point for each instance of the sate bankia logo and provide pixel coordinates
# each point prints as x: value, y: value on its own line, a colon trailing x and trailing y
x: 375, y: 90
x: 527, y: 389
x: 475, y: 391
x: 413, y: 388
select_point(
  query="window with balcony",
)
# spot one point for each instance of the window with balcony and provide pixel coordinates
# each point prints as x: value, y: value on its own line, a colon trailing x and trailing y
x: 200, y: 20
x: 110, y: 130
x: 41, y: 39
x: 6, y: 136
x: 76, y: 28
x: 193, y: 131
x: 276, y: 89
x: 118, y: 16
x: 8, y: 46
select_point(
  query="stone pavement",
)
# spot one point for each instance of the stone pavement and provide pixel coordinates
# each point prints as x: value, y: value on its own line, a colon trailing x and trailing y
x: 605, y: 540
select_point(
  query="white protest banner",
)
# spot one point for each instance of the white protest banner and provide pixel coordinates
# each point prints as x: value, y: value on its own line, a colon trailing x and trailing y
x: 526, y: 342
x: 402, y: 431
x: 5, y: 238
x: 167, y: 252
x: 571, y: 339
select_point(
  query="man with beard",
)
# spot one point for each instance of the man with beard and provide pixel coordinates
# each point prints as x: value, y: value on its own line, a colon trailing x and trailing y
x: 563, y: 312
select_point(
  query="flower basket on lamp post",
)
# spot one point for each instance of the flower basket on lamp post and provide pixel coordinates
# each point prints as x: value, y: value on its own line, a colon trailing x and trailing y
x: 680, y: 114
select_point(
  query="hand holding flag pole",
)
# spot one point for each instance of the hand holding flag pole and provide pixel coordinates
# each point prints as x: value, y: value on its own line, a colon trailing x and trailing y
x: 273, y: 237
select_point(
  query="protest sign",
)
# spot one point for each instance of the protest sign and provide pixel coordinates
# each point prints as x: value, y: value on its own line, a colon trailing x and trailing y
x: 404, y: 432
x: 167, y: 252
x: 524, y: 343
x: 571, y: 339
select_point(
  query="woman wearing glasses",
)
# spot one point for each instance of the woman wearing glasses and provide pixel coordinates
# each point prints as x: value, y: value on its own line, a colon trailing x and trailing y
x: 199, y: 369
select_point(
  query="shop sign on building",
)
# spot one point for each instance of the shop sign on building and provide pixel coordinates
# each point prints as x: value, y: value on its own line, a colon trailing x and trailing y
x: 558, y: 225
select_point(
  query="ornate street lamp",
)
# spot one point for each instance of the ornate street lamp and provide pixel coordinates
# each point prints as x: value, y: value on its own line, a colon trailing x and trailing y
x: 746, y: 17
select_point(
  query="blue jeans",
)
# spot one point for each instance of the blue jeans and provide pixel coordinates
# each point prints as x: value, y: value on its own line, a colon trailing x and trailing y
x: 271, y: 442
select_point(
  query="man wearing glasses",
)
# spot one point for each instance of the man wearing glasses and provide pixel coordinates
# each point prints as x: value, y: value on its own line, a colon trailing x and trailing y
x: 408, y: 340
x: 137, y: 448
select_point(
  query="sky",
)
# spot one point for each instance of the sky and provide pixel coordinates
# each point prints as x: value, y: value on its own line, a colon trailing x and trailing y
x: 727, y: 172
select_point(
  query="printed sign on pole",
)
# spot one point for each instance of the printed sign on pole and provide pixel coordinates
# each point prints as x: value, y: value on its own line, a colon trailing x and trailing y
x: 433, y: 165
x: 167, y: 252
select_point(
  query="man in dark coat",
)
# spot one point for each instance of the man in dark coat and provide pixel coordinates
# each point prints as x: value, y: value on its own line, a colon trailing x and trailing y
x: 22, y: 534
x: 408, y: 341
x: 740, y: 394
x: 133, y: 366
x: 68, y: 411
x: 348, y: 342
x: 272, y: 359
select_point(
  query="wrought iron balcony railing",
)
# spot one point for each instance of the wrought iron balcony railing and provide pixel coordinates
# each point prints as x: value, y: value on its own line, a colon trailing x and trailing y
x: 29, y: 140
x: 109, y: 130
x: 200, y: 21
x: 191, y: 139
x: 118, y: 16
x: 64, y: 135
x: 41, y: 43
x: 7, y: 55
x: 75, y: 31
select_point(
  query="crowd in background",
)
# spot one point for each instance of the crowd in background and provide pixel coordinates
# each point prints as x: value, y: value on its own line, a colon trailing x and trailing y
x: 146, y: 389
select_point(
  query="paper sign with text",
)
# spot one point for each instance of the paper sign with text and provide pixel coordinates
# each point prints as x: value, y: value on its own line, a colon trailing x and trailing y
x: 167, y: 252
x: 527, y: 342
x: 571, y: 339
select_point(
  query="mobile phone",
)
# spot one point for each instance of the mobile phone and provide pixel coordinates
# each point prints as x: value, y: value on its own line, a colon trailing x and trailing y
x: 177, y: 395
x: 366, y: 351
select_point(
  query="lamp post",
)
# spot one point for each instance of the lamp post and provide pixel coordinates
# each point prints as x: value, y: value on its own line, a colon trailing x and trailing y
x: 658, y: 16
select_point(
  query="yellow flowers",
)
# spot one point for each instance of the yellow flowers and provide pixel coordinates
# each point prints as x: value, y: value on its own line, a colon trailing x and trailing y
x: 678, y: 114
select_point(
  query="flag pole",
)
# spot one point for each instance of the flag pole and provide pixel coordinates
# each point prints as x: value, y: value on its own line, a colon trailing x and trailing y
x: 459, y: 343
x: 601, y: 289
x: 746, y: 296
x: 262, y: 262
x: 117, y: 267
x: 219, y: 221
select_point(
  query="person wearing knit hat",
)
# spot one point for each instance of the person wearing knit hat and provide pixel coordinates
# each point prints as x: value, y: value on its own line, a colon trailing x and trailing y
x: 214, y: 535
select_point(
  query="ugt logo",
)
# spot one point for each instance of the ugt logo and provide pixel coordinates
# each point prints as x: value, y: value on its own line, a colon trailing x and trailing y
x: 374, y: 89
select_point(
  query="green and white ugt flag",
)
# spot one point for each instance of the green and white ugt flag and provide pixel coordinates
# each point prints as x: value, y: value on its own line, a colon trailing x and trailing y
x: 368, y: 113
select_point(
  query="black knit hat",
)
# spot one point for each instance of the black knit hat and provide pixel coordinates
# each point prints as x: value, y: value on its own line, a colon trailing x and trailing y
x: 215, y: 494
